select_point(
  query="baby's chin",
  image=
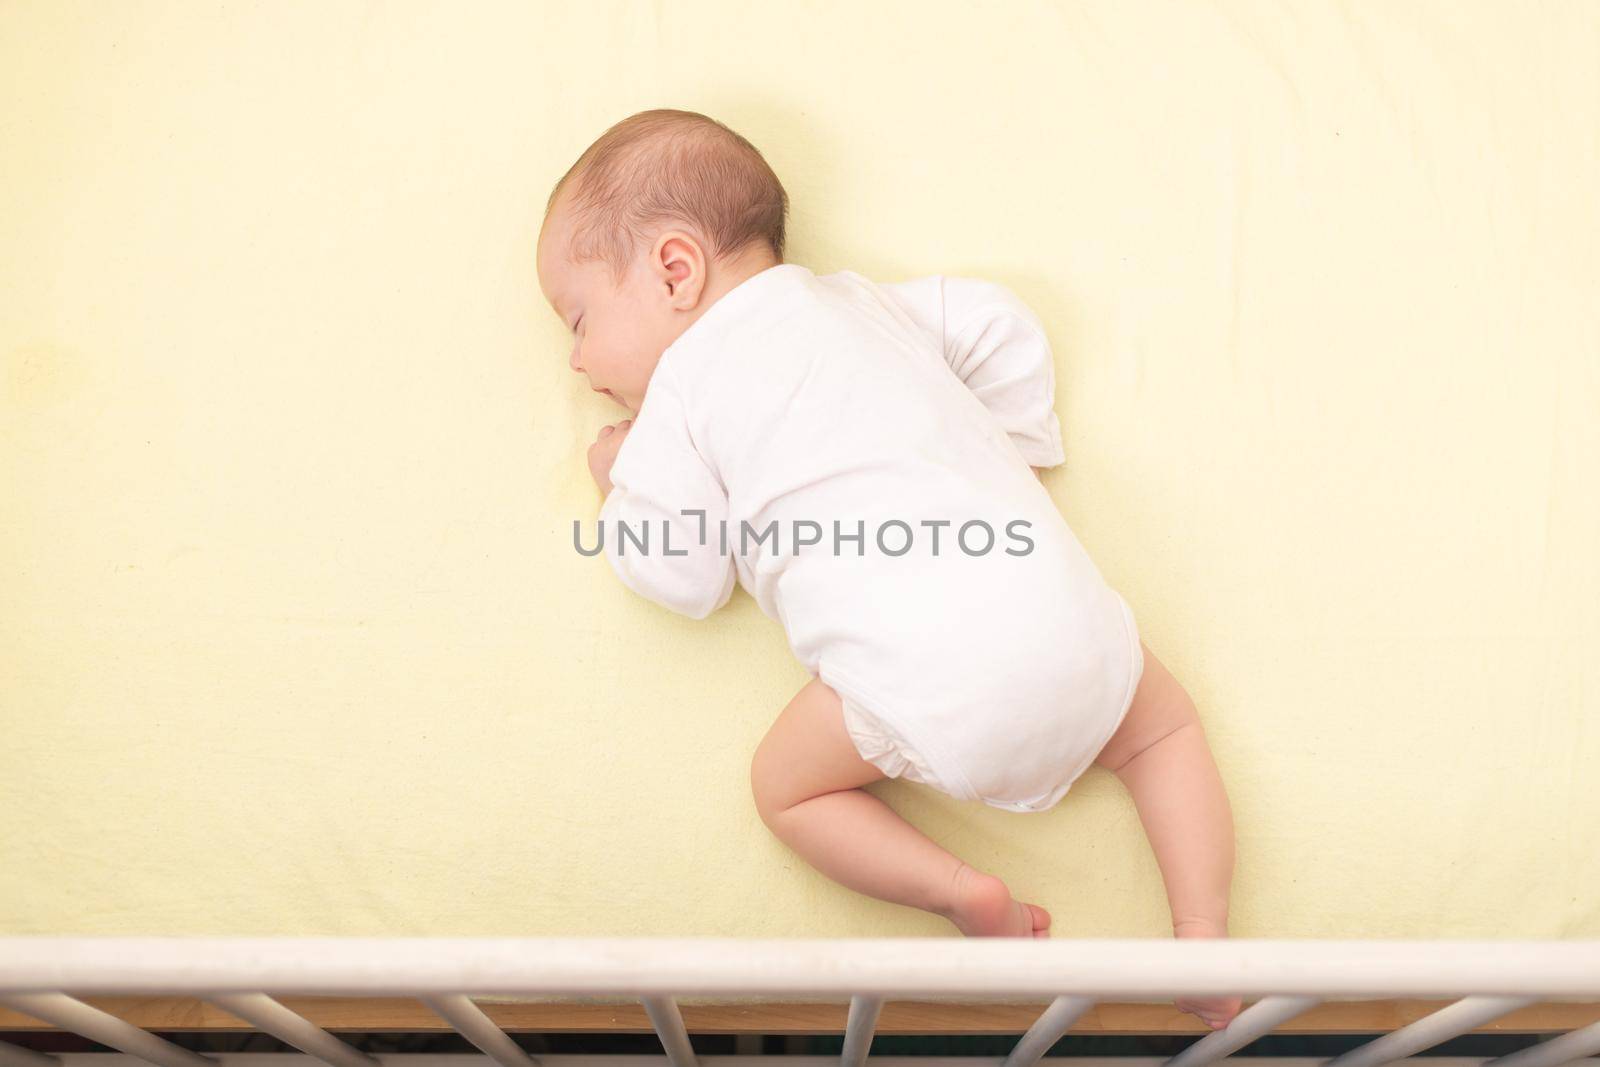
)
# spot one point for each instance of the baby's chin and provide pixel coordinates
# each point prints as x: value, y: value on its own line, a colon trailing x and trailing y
x: 617, y: 400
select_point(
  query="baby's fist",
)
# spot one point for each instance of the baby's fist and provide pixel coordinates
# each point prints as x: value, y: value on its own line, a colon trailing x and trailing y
x: 603, y: 453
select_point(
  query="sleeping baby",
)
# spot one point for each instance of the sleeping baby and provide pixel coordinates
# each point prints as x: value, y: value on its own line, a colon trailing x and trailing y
x: 863, y: 458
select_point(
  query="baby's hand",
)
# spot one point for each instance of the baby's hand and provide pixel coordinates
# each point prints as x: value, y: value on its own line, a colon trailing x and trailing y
x: 603, y: 453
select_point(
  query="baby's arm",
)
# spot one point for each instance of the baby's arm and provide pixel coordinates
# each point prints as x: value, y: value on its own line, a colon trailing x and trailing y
x: 997, y: 346
x: 657, y: 475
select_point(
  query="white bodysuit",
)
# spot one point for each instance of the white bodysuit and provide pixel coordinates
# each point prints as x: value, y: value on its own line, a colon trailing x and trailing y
x: 826, y: 426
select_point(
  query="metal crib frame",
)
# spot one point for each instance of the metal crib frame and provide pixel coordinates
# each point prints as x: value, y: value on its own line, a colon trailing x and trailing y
x: 1486, y: 979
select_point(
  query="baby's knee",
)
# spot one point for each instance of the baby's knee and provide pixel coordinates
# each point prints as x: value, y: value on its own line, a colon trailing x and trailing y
x: 1161, y: 707
x: 772, y: 777
x: 764, y: 782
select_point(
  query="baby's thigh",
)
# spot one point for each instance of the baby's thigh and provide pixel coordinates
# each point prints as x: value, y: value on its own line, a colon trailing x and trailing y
x: 807, y: 752
x: 1160, y: 706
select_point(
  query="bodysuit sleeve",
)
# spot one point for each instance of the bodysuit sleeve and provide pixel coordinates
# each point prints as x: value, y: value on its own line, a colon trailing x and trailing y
x: 997, y: 346
x: 665, y: 555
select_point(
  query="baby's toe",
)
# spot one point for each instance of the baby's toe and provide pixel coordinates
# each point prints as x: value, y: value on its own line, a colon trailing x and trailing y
x: 1215, y: 1012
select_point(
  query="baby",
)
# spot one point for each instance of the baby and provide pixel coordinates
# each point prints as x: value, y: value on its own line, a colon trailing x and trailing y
x: 857, y: 456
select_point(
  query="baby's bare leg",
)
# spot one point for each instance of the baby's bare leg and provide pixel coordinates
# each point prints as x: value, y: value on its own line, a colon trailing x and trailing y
x: 1160, y: 753
x: 806, y: 775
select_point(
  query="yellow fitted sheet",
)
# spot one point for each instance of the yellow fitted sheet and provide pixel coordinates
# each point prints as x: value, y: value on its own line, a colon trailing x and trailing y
x: 293, y: 639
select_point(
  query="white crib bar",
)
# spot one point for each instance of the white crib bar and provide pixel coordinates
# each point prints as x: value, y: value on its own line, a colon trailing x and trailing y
x: 67, y: 1013
x: 17, y: 1056
x: 858, y: 1027
x: 1047, y: 1029
x: 270, y: 1017
x: 469, y: 1020
x: 668, y: 1021
x: 1558, y: 1050
x: 1258, y: 1019
x: 967, y: 968
x: 1430, y: 1030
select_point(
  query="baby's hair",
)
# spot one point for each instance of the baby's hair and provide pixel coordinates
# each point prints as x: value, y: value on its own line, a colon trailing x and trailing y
x: 669, y: 166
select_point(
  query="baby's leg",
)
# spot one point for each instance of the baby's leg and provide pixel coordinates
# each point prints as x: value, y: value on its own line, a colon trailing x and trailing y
x: 1161, y: 755
x: 805, y: 777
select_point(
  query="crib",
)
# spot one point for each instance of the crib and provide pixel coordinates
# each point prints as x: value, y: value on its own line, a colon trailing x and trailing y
x: 1410, y: 995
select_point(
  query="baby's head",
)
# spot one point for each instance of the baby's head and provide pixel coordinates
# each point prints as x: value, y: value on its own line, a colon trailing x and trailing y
x: 657, y: 219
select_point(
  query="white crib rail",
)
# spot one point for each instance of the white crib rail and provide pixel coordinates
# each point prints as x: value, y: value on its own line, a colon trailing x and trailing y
x: 1488, y: 979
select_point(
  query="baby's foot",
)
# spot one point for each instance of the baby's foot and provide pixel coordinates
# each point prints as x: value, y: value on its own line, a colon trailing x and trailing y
x: 983, y: 907
x: 1215, y: 1012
